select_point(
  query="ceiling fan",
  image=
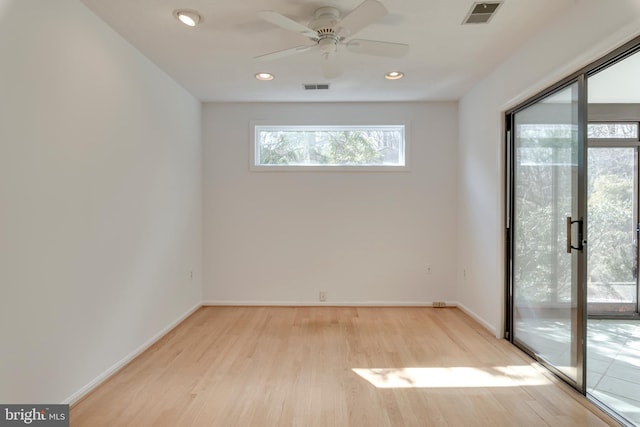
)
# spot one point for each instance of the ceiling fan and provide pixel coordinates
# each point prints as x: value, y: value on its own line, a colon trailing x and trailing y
x: 328, y: 31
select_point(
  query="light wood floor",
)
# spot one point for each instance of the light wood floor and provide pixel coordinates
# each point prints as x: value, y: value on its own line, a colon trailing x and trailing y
x: 332, y: 366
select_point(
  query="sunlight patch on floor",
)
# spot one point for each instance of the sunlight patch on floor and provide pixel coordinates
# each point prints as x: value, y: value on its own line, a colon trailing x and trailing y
x: 453, y: 377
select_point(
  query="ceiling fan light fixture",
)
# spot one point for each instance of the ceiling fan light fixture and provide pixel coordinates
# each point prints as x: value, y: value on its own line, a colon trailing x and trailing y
x: 394, y: 75
x: 328, y: 44
x: 265, y: 76
x: 187, y: 17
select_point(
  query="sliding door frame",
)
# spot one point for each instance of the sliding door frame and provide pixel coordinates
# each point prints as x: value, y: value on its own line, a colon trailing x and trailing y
x: 580, y: 77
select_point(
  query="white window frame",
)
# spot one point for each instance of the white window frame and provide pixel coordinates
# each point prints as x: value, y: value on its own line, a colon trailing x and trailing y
x: 253, y: 153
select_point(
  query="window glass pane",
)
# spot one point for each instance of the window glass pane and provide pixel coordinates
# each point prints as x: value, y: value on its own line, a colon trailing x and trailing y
x: 329, y: 146
x: 612, y: 130
x: 612, y: 252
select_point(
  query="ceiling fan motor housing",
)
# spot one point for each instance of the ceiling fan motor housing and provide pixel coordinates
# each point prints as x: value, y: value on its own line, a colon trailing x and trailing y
x: 323, y: 23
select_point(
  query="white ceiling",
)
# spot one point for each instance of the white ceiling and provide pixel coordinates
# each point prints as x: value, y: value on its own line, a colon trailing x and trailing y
x: 214, y: 61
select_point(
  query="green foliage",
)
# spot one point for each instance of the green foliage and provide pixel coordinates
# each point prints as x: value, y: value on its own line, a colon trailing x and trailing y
x: 281, y: 151
x: 610, y: 206
x: 341, y: 147
x: 545, y: 174
x: 352, y: 148
x: 542, y: 267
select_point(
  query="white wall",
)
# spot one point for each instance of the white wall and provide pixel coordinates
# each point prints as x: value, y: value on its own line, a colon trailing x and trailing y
x: 363, y: 237
x: 588, y: 30
x: 100, y: 200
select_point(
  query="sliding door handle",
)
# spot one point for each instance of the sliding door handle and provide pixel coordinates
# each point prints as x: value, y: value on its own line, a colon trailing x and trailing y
x: 570, y: 246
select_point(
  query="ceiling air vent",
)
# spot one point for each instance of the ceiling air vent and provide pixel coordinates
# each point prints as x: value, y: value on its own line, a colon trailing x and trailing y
x: 481, y: 12
x: 316, y: 86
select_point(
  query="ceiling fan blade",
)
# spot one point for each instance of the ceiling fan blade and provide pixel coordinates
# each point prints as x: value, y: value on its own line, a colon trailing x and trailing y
x: 283, y: 53
x: 373, y: 47
x: 368, y: 12
x: 330, y: 65
x: 287, y: 23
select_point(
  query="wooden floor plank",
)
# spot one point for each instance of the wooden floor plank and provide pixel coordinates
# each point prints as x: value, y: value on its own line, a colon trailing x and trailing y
x: 331, y: 366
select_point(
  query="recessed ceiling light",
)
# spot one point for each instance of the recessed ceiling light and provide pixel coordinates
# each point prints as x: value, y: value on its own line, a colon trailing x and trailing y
x: 187, y: 17
x: 265, y: 76
x: 394, y: 75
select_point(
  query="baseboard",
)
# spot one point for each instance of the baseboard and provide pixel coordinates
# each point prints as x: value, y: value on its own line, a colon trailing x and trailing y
x: 80, y: 394
x: 479, y: 319
x: 324, y: 304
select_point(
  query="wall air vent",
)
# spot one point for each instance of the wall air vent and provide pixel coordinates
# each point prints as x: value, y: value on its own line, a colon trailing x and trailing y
x: 481, y: 12
x: 316, y: 86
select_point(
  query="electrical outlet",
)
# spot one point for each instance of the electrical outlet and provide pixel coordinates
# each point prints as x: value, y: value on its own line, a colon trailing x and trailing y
x: 428, y: 269
x: 322, y: 296
x: 439, y: 304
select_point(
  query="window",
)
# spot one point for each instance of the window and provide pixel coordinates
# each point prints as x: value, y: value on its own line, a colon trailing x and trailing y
x: 278, y: 147
x: 613, y: 131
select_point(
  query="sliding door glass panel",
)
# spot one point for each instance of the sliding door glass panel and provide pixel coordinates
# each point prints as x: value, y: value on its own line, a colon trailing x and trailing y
x: 613, y: 337
x: 612, y: 272
x: 545, y: 197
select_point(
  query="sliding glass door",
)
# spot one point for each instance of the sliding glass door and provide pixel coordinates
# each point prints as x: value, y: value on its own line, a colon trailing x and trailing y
x: 573, y: 175
x: 547, y: 230
x: 613, y: 325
